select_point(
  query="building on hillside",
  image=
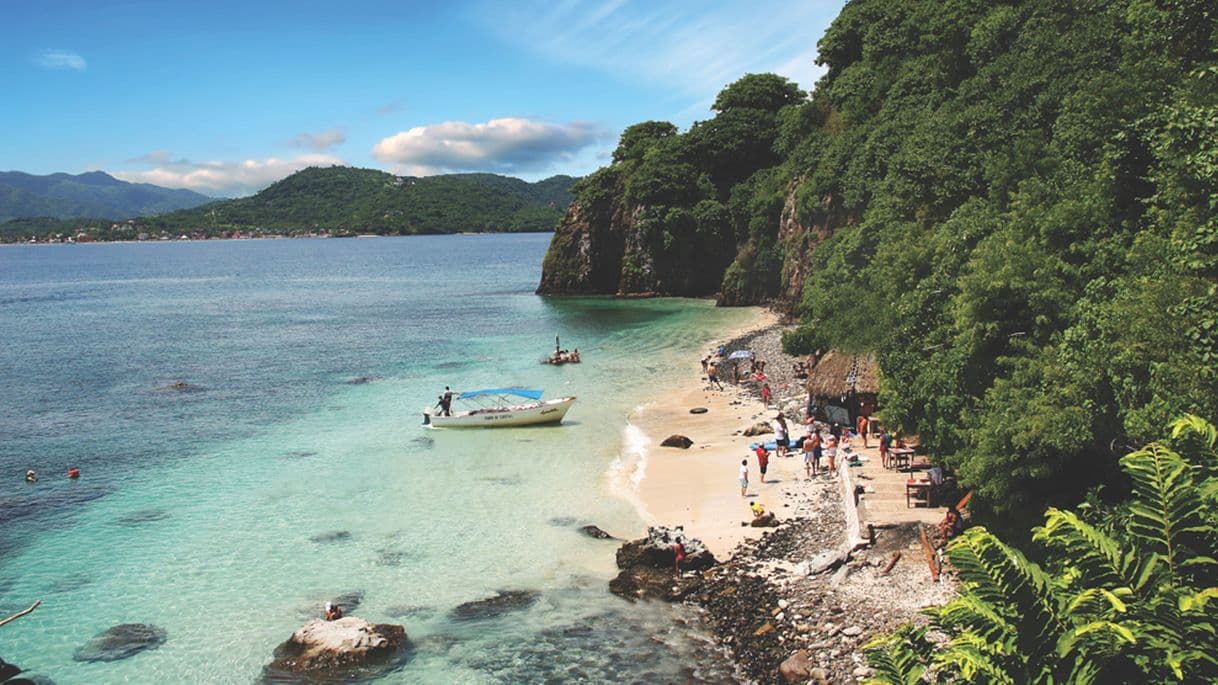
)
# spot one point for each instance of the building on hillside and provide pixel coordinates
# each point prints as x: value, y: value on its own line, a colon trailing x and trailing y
x: 842, y: 386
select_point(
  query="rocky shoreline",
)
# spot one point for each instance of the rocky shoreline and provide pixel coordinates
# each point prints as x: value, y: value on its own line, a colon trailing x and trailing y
x: 796, y: 605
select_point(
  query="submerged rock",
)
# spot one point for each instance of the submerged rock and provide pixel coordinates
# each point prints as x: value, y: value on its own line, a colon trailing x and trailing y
x: 139, y: 518
x: 594, y: 532
x: 563, y: 521
x: 360, y: 380
x: 335, y: 648
x: 492, y: 607
x: 349, y: 601
x: 121, y: 641
x: 179, y: 386
x: 677, y: 441
x: 331, y: 536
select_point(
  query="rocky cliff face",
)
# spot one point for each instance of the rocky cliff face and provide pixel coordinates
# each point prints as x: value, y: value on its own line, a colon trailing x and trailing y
x: 609, y: 246
x: 585, y: 255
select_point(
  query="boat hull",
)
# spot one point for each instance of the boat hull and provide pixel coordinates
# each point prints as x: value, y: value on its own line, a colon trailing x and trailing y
x: 550, y: 411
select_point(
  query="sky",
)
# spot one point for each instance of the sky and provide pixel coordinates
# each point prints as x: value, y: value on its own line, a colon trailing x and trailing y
x: 226, y: 97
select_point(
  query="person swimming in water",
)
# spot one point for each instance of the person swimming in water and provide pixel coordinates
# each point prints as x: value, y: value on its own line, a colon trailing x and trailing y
x: 31, y: 476
x: 333, y: 611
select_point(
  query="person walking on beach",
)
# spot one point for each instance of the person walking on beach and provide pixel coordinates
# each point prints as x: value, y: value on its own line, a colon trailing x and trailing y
x: 744, y: 477
x: 763, y: 460
x: 705, y: 361
x: 863, y: 425
x: 831, y: 453
x: 780, y: 434
x: 885, y: 443
x: 712, y: 375
x: 765, y: 394
x: 810, y: 444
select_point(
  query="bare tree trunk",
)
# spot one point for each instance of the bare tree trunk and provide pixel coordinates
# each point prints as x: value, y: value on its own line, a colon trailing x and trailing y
x: 19, y: 614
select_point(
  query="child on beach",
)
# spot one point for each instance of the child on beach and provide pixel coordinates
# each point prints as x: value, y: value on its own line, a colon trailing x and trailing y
x: 765, y: 394
x: 744, y: 477
x: 810, y: 467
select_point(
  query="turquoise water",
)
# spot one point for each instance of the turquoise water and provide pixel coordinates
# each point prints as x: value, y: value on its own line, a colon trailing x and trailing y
x: 197, y: 510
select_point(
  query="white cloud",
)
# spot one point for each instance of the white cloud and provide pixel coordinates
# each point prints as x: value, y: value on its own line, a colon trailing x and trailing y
x: 509, y: 145
x: 319, y: 141
x: 60, y: 59
x: 224, y: 178
x: 693, y: 47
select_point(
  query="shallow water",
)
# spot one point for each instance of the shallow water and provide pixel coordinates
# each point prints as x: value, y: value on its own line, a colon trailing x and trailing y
x: 294, y: 467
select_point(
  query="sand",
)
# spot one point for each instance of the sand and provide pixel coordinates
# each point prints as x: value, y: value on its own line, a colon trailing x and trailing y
x: 698, y: 488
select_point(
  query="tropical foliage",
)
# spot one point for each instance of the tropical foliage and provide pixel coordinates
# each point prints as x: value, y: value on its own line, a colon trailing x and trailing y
x: 1119, y: 595
x: 1012, y: 203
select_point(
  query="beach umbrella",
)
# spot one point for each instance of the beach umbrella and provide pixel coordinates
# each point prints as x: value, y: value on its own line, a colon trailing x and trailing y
x: 740, y: 354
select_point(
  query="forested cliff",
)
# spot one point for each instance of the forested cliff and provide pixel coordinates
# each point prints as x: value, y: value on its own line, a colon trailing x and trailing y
x: 1012, y: 203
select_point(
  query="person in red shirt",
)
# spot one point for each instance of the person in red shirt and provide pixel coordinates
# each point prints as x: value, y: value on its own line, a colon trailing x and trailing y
x: 763, y: 460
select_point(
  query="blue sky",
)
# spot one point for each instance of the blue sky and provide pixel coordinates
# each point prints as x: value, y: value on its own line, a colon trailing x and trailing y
x: 227, y: 97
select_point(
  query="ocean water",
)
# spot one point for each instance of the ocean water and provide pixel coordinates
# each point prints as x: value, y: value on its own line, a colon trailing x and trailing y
x: 295, y: 468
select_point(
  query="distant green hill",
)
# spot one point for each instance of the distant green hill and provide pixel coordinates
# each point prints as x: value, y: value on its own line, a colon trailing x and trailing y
x: 370, y: 201
x: 94, y: 193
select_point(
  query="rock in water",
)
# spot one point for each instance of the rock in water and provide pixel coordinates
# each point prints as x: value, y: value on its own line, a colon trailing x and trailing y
x: 121, y: 641
x: 677, y: 441
x: 758, y: 429
x: 331, y: 536
x: 797, y: 668
x: 348, y: 643
x: 648, y: 565
x: 349, y: 601
x: 491, y: 607
x: 594, y: 532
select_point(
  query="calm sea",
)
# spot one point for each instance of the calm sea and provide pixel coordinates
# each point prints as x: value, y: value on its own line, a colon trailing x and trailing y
x: 295, y: 467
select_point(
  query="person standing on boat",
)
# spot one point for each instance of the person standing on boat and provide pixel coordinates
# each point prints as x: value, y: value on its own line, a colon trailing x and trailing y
x: 446, y: 402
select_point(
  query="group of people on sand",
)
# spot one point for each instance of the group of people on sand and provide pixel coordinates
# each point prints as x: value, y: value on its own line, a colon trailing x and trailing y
x: 815, y: 445
x: 712, y: 366
x: 31, y: 476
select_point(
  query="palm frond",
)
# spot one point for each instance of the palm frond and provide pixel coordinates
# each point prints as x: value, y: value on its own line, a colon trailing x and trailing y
x: 1093, y: 551
x: 1165, y: 505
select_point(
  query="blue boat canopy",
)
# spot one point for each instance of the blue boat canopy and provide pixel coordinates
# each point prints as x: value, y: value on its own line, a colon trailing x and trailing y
x: 520, y: 392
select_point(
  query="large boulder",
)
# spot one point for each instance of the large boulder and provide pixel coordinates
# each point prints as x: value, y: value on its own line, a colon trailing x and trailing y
x: 758, y: 429
x: 648, y: 566
x: 766, y: 520
x: 333, y: 648
x: 595, y: 532
x: 677, y: 441
x: 121, y: 641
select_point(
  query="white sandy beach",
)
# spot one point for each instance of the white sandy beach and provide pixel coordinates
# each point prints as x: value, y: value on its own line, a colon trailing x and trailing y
x: 697, y: 487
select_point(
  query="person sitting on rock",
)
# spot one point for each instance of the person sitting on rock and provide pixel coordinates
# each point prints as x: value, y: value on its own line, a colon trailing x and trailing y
x: 333, y: 611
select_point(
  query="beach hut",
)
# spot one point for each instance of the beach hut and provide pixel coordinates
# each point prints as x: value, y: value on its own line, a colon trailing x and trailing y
x: 842, y: 386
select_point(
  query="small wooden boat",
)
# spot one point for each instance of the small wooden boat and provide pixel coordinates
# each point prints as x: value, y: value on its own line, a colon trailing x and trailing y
x: 494, y: 407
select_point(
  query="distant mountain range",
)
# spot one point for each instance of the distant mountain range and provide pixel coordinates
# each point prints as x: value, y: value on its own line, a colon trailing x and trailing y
x: 332, y: 200
x: 91, y: 194
x: 349, y: 199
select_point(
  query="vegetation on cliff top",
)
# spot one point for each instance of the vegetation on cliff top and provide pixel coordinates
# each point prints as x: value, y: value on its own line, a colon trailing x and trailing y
x: 1016, y: 203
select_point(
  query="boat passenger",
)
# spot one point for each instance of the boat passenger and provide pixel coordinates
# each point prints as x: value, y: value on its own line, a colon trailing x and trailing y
x: 446, y: 401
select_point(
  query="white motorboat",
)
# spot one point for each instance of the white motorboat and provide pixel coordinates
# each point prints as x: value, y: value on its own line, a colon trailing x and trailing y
x: 494, y: 407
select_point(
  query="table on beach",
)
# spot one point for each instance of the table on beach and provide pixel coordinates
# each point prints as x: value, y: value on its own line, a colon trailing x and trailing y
x: 914, y: 490
x: 899, y: 455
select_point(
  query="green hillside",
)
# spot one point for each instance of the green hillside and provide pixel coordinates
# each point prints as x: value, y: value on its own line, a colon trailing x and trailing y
x: 94, y: 193
x: 371, y: 201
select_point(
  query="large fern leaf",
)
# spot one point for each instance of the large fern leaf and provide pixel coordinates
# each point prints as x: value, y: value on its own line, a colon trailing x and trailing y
x: 1097, y: 554
x: 1165, y: 506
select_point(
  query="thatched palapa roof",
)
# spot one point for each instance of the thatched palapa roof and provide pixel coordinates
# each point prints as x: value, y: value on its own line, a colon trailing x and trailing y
x: 837, y: 373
